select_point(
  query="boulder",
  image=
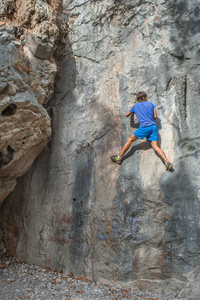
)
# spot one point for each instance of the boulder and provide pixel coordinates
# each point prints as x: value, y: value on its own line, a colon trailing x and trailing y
x: 28, y: 34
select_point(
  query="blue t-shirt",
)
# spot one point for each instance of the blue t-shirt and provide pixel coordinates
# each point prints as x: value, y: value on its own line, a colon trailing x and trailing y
x: 144, y: 113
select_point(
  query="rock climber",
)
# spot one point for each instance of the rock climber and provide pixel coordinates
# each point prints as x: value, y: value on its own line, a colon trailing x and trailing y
x: 146, y: 115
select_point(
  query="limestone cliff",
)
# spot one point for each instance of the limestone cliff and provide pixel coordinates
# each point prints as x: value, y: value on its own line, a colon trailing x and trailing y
x: 76, y: 211
x: 29, y: 32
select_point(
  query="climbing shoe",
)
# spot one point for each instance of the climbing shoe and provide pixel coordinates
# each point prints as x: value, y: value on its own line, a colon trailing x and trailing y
x: 169, y: 166
x: 116, y: 159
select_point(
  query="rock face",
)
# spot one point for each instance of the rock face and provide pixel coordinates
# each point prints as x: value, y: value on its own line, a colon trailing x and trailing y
x: 76, y: 211
x: 28, y: 35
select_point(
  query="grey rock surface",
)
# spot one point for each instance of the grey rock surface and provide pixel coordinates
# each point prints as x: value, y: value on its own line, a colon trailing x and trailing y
x: 26, y: 84
x: 74, y: 210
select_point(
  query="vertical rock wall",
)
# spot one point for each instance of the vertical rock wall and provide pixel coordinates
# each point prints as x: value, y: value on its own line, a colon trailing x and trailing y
x: 29, y: 34
x: 76, y: 211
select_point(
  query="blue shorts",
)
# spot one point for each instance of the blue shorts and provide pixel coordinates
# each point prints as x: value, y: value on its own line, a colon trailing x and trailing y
x: 150, y: 132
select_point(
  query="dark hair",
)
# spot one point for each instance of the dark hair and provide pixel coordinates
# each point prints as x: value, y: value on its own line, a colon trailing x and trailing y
x: 141, y: 96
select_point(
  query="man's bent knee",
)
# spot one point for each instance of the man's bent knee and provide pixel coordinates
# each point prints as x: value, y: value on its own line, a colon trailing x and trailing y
x: 154, y: 145
x: 129, y: 140
x: 132, y: 138
x: 156, y: 148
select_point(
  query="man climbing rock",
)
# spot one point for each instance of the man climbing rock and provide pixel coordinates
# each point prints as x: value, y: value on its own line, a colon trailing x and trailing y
x: 146, y: 115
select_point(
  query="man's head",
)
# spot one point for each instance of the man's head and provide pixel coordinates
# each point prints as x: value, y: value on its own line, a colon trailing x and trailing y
x: 141, y: 96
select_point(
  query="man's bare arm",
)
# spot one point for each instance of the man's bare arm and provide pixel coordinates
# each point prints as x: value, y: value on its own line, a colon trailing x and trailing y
x: 128, y: 114
x: 155, y: 114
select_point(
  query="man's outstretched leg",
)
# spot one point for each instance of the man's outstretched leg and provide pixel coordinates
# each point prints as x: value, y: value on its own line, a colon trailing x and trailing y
x: 118, y: 159
x: 159, y: 151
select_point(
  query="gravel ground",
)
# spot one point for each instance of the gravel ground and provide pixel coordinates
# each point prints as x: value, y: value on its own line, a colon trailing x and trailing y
x: 22, y: 281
